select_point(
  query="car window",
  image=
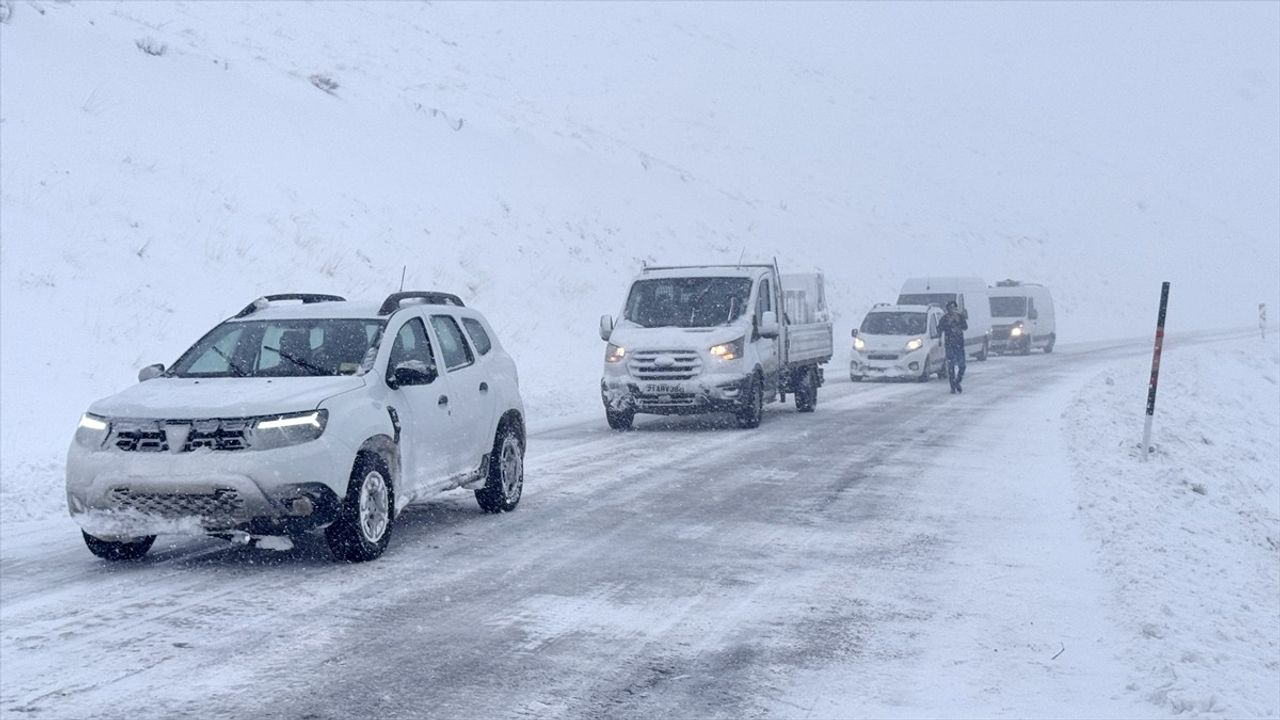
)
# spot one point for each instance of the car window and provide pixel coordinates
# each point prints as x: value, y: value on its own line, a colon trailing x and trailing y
x: 216, y: 359
x: 479, y: 337
x: 764, y: 303
x: 452, y: 345
x: 411, y: 345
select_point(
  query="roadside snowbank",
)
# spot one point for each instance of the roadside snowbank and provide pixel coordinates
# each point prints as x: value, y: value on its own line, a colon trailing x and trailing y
x: 1191, y: 539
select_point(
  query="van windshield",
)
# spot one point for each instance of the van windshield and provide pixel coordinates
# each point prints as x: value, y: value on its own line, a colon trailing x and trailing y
x: 282, y: 348
x: 893, y: 323
x: 939, y: 299
x: 687, y: 302
x: 1015, y: 307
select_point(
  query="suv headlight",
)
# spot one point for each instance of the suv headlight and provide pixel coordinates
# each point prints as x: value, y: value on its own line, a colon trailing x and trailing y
x: 284, y: 430
x: 858, y: 344
x: 915, y: 344
x: 92, y: 431
x: 614, y: 353
x: 731, y: 350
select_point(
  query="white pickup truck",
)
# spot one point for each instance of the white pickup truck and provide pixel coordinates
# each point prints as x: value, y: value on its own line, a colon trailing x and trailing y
x: 715, y: 338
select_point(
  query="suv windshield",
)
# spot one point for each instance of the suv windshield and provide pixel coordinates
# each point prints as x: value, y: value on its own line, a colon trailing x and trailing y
x: 281, y: 348
x: 939, y: 299
x: 688, y: 302
x: 894, y: 323
x: 1008, y: 307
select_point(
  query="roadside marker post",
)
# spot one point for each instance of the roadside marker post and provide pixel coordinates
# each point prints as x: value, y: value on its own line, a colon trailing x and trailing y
x: 1155, y: 371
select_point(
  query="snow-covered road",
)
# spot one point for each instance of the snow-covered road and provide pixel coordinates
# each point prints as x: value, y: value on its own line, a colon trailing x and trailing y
x: 901, y: 551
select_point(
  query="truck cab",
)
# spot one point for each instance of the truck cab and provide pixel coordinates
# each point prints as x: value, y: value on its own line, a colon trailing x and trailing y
x: 701, y: 339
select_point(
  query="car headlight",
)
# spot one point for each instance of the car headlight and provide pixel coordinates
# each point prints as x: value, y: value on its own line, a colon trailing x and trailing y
x: 284, y: 430
x: 858, y: 344
x: 915, y: 344
x: 1015, y: 331
x: 731, y: 350
x: 614, y: 353
x: 92, y: 431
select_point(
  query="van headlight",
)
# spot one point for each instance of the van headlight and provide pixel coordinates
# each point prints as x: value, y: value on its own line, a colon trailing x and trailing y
x: 1015, y: 331
x: 915, y: 344
x: 284, y: 430
x: 614, y: 353
x: 92, y: 431
x: 858, y: 344
x: 731, y: 350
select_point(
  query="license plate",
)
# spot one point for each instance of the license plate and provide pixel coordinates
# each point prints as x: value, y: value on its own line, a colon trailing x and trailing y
x: 660, y: 388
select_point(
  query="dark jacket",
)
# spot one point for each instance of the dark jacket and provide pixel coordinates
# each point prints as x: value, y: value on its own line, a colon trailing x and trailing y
x: 952, y: 326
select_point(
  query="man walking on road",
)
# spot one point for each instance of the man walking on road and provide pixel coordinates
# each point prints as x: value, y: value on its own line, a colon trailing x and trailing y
x: 952, y: 327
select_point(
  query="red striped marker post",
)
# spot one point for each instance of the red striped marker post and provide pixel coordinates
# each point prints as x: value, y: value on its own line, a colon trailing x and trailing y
x: 1155, y: 371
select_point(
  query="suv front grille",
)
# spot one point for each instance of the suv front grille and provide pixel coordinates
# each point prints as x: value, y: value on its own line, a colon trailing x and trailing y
x: 153, y: 435
x: 675, y: 365
x: 223, y: 505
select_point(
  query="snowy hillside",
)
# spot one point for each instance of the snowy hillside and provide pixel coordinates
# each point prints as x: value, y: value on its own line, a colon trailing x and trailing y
x: 162, y: 164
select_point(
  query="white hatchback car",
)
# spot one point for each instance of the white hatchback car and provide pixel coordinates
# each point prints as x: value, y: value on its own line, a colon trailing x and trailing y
x: 289, y: 418
x: 898, y: 341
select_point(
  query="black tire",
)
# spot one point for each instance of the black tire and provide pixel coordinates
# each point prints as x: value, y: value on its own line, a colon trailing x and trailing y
x: 502, y: 491
x: 924, y: 372
x: 622, y: 420
x: 1049, y: 348
x: 806, y: 391
x: 855, y: 378
x: 752, y: 411
x: 1026, y: 349
x: 113, y: 550
x: 985, y: 352
x: 363, y: 528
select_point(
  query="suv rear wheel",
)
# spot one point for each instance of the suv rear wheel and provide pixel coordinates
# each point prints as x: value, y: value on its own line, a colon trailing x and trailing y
x: 363, y: 527
x: 113, y: 550
x: 505, y: 485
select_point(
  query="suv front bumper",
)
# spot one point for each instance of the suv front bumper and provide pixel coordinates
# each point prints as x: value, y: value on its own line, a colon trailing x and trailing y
x: 115, y: 494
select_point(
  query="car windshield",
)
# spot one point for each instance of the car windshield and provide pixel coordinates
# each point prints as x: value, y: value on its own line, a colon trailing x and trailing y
x: 894, y: 323
x: 939, y: 299
x: 688, y: 302
x: 1015, y: 307
x: 282, y: 348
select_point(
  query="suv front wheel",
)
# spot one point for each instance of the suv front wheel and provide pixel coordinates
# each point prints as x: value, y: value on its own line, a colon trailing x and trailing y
x: 502, y: 490
x: 112, y: 550
x: 363, y: 527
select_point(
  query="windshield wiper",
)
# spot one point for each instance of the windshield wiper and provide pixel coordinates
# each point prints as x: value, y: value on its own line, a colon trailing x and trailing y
x: 232, y: 363
x: 295, y: 360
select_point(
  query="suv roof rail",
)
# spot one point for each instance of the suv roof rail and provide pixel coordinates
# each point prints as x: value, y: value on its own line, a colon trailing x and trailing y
x: 306, y: 298
x: 881, y: 305
x: 392, y: 303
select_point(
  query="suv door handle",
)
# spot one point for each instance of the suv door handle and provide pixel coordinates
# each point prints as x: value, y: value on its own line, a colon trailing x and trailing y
x: 484, y: 387
x: 444, y: 400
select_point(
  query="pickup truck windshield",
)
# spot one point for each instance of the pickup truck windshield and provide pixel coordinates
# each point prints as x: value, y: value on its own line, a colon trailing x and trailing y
x: 281, y: 348
x: 1008, y: 307
x: 687, y: 302
x: 893, y: 323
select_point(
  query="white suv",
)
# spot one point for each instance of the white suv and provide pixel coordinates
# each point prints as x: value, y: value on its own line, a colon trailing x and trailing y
x: 288, y: 418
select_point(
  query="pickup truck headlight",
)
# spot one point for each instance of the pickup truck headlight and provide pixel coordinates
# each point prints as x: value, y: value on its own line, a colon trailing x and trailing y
x: 614, y: 353
x: 858, y: 344
x: 915, y: 344
x: 1015, y: 331
x: 92, y: 431
x: 731, y: 350
x: 284, y: 430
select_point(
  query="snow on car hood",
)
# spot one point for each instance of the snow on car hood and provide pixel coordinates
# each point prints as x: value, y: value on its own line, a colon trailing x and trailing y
x: 189, y: 398
x: 634, y: 337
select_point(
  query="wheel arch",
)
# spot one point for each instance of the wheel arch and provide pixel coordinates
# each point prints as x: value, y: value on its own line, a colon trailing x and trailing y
x: 513, y: 419
x: 385, y: 447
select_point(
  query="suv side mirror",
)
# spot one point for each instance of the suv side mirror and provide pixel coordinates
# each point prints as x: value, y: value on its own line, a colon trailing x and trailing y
x: 853, y: 333
x: 1032, y: 314
x: 606, y: 327
x: 769, y: 325
x: 151, y: 372
x: 412, y: 372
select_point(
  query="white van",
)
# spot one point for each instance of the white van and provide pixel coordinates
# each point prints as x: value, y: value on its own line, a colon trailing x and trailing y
x: 970, y: 293
x: 1021, y: 317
